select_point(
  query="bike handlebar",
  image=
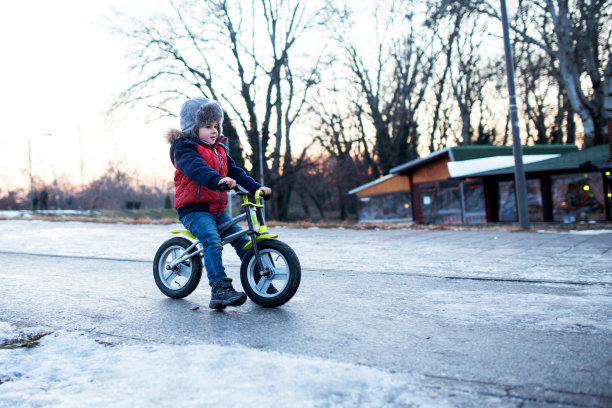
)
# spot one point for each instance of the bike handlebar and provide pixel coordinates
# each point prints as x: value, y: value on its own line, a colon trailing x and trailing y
x: 238, y: 187
x: 222, y: 187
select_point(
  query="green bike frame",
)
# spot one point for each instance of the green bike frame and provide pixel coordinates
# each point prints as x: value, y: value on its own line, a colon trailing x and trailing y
x: 257, y: 230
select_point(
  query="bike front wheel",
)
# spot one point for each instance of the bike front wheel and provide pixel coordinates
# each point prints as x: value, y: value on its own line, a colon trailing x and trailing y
x: 282, y: 274
x: 185, y: 277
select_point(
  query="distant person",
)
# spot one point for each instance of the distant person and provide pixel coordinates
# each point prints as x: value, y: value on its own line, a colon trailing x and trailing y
x: 35, y: 202
x: 202, y: 165
x: 44, y: 197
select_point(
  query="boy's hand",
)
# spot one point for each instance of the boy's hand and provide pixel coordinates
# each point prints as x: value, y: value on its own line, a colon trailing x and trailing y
x: 266, y: 190
x: 231, y: 183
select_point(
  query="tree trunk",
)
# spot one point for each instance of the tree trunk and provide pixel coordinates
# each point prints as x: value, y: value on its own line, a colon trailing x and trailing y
x: 304, y: 205
x: 342, y: 199
x: 569, y: 72
x: 317, y: 203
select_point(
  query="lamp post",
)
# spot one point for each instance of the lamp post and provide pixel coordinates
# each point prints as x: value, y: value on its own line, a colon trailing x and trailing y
x: 261, y: 163
x: 519, y: 172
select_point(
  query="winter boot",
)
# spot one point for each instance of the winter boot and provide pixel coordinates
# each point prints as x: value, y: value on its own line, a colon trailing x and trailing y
x: 224, y: 295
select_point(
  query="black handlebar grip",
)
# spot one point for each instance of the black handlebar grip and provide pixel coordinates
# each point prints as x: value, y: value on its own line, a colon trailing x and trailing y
x: 223, y: 187
x: 267, y: 197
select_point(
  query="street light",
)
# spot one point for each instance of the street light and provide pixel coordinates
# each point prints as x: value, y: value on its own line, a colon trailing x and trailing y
x: 261, y: 163
x: 519, y: 172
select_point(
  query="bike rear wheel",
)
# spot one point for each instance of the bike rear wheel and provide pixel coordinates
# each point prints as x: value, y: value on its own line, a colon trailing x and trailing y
x: 185, y: 277
x: 284, y: 274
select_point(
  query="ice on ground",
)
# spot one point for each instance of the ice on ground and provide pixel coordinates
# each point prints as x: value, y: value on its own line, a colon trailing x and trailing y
x: 579, y: 232
x: 13, y: 214
x: 73, y: 370
x: 592, y: 232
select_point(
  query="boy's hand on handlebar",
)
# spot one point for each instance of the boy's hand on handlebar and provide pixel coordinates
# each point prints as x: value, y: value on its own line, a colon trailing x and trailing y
x: 266, y: 192
x: 229, y: 183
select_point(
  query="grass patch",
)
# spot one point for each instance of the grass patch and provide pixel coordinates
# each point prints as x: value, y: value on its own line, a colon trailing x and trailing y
x: 169, y: 217
x: 30, y: 341
x: 495, y: 226
x: 153, y: 216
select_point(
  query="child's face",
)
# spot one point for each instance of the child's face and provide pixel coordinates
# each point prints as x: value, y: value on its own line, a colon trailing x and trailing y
x: 208, y: 133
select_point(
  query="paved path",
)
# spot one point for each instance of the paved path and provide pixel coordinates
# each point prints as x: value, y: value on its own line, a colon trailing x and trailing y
x: 485, y: 318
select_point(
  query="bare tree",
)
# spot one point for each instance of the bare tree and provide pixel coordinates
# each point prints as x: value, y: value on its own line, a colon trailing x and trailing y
x: 536, y: 86
x: 389, y: 84
x: 440, y: 123
x: 339, y: 133
x: 469, y: 74
x: 172, y: 62
x: 578, y: 37
x: 471, y: 70
x: 231, y: 59
x: 289, y: 99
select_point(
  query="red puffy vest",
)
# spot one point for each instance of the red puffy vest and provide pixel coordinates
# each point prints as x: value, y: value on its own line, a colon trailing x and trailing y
x: 188, y: 191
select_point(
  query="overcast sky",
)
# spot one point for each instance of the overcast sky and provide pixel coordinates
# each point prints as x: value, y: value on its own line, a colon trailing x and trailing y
x: 59, y: 71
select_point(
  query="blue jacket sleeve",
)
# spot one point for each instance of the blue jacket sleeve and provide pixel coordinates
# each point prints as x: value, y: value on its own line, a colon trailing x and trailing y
x: 241, y: 177
x: 191, y: 164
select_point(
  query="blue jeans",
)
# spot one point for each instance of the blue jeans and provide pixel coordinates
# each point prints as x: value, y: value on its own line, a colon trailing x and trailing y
x: 205, y: 227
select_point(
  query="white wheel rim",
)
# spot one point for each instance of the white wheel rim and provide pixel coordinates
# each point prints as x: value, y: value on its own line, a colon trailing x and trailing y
x: 277, y: 263
x: 177, y: 278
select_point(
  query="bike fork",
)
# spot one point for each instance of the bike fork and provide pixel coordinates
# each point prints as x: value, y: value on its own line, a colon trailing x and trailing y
x: 257, y: 255
x: 253, y: 224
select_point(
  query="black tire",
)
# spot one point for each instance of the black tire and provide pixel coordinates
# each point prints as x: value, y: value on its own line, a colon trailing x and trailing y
x: 187, y: 275
x: 285, y: 262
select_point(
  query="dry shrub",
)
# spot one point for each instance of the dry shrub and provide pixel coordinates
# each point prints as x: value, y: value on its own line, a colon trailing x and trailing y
x: 136, y: 219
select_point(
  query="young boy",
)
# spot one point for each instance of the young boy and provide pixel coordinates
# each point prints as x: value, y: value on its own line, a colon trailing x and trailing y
x: 202, y: 164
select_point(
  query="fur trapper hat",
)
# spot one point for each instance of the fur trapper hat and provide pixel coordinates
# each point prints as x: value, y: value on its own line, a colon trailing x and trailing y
x: 197, y: 112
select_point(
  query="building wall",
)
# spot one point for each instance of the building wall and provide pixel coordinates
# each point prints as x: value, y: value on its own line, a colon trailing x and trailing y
x: 433, y: 171
x: 394, y: 184
x: 449, y: 202
x: 561, y: 195
x: 385, y: 207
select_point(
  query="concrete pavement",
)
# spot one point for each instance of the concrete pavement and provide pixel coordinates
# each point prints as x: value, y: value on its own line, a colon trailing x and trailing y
x: 485, y: 318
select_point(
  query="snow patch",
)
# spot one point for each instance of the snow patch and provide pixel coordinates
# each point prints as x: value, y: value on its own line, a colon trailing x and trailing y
x: 578, y: 232
x: 592, y: 232
x: 73, y: 370
x: 12, y: 214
